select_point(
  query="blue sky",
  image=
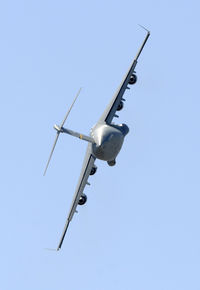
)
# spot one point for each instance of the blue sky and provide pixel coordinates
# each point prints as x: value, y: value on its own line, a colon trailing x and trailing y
x: 140, y: 227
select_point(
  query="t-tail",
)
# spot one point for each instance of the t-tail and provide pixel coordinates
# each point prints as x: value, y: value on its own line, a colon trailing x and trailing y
x: 73, y: 133
x: 61, y: 129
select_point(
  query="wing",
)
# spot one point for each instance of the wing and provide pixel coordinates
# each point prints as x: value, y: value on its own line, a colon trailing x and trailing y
x: 85, y: 172
x: 110, y: 111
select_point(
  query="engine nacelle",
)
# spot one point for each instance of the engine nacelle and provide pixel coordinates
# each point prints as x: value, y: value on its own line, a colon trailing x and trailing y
x: 120, y: 106
x: 93, y: 170
x: 133, y: 79
x: 82, y: 199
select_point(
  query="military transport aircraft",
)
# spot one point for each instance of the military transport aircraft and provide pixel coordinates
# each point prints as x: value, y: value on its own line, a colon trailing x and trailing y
x: 104, y: 142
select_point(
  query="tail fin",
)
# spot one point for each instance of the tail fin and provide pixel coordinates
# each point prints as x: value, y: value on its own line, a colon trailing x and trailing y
x: 73, y: 133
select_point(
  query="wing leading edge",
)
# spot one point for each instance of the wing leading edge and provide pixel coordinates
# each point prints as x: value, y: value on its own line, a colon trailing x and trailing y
x: 88, y: 163
x: 89, y: 160
x: 110, y: 111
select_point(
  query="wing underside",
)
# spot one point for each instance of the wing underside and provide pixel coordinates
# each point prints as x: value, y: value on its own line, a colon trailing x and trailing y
x: 108, y: 115
x: 110, y: 111
x: 88, y: 163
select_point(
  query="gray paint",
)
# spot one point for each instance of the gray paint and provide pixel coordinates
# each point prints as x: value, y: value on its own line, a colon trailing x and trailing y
x: 108, y: 142
x: 105, y: 140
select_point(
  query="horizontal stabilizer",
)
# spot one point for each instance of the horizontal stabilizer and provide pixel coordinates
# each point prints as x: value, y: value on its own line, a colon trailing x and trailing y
x: 59, y: 130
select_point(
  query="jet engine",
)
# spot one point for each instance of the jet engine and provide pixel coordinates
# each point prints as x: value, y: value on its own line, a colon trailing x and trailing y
x: 133, y: 79
x: 120, y: 106
x: 82, y: 199
x: 93, y: 170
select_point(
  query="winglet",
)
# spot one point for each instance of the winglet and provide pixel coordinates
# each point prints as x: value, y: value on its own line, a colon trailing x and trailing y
x: 143, y: 44
x: 49, y: 249
x: 144, y: 28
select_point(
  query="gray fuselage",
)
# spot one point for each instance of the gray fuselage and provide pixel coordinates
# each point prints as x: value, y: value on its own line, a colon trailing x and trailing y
x: 108, y: 140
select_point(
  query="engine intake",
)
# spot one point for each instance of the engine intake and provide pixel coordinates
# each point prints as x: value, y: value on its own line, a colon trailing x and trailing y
x: 93, y: 170
x: 133, y: 79
x: 120, y: 106
x: 82, y: 199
